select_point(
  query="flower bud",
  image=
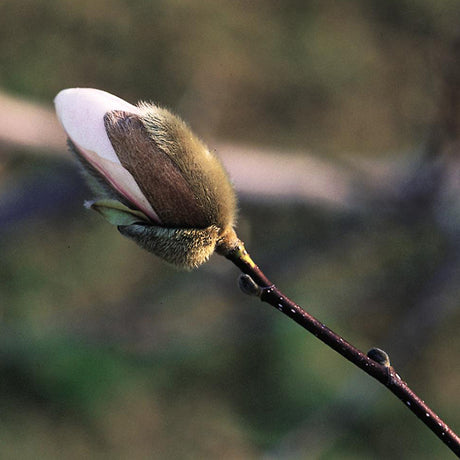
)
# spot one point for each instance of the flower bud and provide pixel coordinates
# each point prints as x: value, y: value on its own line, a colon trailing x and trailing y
x: 151, y: 176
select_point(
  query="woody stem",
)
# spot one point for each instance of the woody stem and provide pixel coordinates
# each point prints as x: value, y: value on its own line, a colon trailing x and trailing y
x: 384, y: 373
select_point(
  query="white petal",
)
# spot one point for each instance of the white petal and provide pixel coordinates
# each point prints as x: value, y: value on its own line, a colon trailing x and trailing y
x: 81, y: 112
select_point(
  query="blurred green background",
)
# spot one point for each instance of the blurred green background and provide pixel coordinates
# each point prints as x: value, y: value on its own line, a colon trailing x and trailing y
x: 105, y: 352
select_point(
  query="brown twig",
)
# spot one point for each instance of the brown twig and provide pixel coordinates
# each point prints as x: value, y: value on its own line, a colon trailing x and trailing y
x: 376, y: 363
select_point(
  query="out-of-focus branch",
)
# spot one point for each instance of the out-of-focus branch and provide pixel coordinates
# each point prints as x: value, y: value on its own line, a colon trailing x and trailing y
x: 29, y: 125
x: 281, y: 176
x: 258, y: 174
x: 261, y: 174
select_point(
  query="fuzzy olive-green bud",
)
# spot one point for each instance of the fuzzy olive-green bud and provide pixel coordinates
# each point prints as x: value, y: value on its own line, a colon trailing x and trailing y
x: 151, y: 176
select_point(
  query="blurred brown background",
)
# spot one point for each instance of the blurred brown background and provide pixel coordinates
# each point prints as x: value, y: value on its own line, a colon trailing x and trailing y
x: 339, y: 123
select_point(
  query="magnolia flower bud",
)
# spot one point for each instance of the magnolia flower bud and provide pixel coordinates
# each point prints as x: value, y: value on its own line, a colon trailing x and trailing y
x: 151, y: 176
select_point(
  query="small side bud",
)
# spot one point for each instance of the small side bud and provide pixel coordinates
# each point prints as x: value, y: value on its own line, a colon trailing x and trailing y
x: 249, y: 286
x: 379, y: 356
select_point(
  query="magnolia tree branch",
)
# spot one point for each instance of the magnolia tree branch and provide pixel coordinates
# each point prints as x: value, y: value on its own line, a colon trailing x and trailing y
x: 375, y: 363
x: 155, y: 180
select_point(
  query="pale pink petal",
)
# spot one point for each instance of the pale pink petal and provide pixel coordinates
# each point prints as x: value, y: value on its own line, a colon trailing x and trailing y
x: 81, y: 112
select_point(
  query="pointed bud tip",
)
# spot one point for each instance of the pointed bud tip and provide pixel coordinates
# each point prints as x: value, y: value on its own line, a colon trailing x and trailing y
x: 81, y: 112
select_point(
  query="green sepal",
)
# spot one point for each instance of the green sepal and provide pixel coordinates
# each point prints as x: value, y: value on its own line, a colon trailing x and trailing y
x: 117, y: 213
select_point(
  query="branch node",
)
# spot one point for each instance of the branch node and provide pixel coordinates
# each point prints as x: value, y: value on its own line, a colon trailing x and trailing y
x: 379, y: 356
